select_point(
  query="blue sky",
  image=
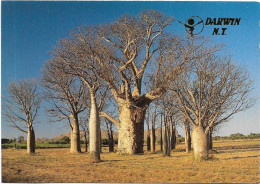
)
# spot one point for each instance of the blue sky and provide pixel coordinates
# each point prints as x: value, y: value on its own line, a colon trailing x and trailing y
x: 31, y: 29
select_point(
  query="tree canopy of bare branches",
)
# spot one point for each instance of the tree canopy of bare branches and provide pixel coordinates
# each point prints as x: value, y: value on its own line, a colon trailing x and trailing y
x: 67, y: 96
x: 211, y: 90
x: 21, y: 108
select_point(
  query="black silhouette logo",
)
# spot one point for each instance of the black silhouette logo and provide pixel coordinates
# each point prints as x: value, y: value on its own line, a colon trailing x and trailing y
x: 194, y: 25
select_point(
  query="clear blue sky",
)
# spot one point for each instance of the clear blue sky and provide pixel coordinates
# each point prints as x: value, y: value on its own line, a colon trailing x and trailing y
x: 31, y: 29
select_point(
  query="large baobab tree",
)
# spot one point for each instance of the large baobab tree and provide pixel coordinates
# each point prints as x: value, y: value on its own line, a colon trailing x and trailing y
x: 67, y: 96
x: 21, y: 108
x: 120, y: 53
x: 129, y: 46
x: 210, y: 92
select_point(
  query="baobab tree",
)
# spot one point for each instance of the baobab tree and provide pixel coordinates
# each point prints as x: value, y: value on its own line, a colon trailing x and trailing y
x: 128, y: 47
x: 77, y: 55
x: 21, y: 108
x: 210, y: 92
x: 67, y: 96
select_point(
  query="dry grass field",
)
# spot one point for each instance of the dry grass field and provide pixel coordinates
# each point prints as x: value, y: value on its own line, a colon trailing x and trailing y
x: 235, y: 161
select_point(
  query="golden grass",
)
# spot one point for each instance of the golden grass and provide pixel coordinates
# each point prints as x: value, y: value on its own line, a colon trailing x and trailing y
x: 237, y: 165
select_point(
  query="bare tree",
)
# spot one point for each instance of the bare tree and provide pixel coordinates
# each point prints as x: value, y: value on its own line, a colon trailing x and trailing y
x: 120, y: 53
x: 131, y: 44
x: 21, y: 108
x: 210, y: 92
x: 78, y: 56
x: 67, y: 96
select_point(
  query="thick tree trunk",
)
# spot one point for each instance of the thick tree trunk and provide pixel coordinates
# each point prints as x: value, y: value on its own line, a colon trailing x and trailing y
x: 187, y: 137
x: 153, y: 138
x: 94, y: 130
x: 75, y: 136
x: 199, y: 142
x: 31, y: 140
x: 131, y: 130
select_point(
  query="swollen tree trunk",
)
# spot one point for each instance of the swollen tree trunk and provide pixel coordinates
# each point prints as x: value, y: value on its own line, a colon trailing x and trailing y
x: 94, y: 130
x: 153, y: 138
x: 30, y: 140
x: 131, y: 130
x: 199, y: 142
x: 187, y: 137
x: 75, y: 136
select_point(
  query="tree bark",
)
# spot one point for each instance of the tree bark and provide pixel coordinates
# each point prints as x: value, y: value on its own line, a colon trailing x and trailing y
x: 75, y: 136
x: 30, y: 140
x: 199, y: 142
x: 131, y: 130
x: 187, y: 137
x: 94, y: 130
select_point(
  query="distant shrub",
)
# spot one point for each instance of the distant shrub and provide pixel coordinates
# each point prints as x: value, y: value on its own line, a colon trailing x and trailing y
x: 216, y: 138
x: 253, y: 136
x: 18, y: 146
x: 237, y: 136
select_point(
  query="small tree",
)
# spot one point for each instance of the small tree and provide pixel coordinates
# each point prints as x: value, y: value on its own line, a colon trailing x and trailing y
x: 21, y: 108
